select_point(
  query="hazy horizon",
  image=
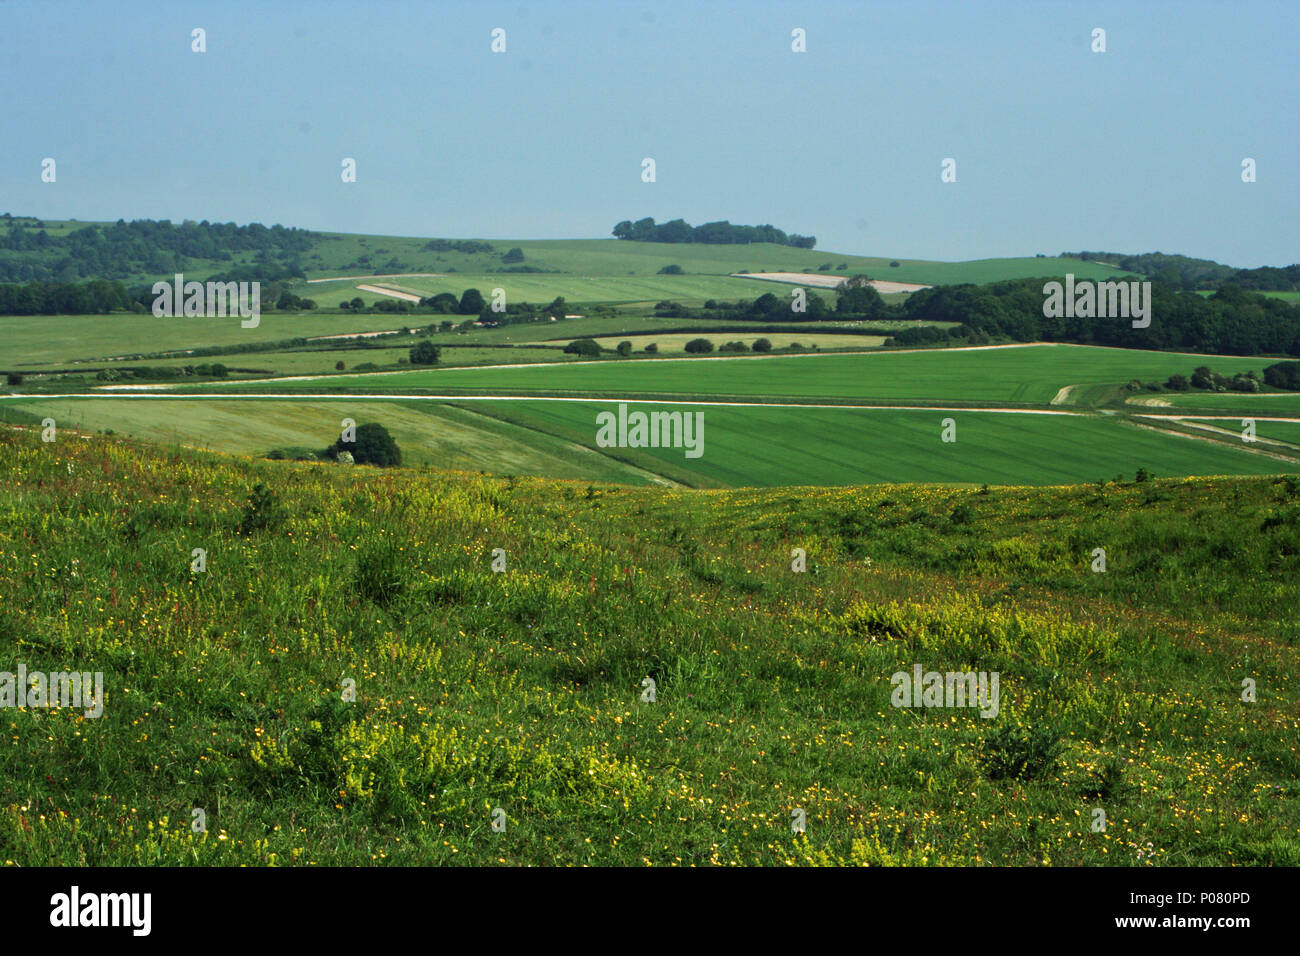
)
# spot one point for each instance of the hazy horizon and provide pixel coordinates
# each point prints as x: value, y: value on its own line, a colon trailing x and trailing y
x: 1137, y: 149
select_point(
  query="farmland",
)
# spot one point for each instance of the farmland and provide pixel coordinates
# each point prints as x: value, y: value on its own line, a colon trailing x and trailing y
x: 1028, y: 374
x: 809, y: 419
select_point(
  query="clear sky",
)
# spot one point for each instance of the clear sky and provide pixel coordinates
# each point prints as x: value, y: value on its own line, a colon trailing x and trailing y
x: 1137, y: 149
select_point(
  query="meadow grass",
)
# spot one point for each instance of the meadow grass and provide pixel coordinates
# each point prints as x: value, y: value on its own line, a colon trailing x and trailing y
x: 523, y: 690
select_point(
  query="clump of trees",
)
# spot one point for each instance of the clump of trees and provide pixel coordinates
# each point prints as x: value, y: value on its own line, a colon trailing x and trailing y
x: 721, y: 232
x: 699, y: 346
x: 1283, y: 375
x: 588, y: 348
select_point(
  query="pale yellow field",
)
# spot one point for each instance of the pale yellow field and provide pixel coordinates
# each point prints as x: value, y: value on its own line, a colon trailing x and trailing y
x: 675, y: 341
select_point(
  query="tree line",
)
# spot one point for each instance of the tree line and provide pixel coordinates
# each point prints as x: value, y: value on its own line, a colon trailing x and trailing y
x: 713, y: 233
x: 1184, y: 272
x: 1232, y: 321
x: 142, y: 247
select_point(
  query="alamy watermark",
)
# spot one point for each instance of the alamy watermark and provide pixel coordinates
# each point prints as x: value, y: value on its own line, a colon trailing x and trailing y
x: 57, y: 689
x: 213, y: 300
x: 651, y: 430
x: 1087, y: 299
x: 923, y: 688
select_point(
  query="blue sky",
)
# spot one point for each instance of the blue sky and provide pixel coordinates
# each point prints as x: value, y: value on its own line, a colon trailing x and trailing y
x: 1058, y: 148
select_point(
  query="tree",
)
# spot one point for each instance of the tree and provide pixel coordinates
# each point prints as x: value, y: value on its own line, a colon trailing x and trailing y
x: 762, y: 345
x: 857, y: 296
x: 357, y: 303
x: 1283, y: 375
x: 699, y: 346
x: 425, y: 352
x: 672, y: 270
x: 340, y: 366
x: 218, y: 370
x: 471, y: 302
x: 373, y: 446
x: 652, y: 348
x: 624, y: 349
x: 1177, y: 383
x: 514, y: 255
x: 586, y: 347
x: 444, y: 303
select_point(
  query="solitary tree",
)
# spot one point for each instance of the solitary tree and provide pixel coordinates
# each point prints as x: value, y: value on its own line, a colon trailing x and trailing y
x: 424, y: 352
x: 373, y: 446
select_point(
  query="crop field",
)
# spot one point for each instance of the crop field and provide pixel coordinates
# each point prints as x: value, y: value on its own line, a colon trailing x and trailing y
x: 60, y: 340
x: 1268, y: 403
x: 1029, y: 374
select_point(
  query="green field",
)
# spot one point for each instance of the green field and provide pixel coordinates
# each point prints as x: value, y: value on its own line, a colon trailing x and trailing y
x: 524, y: 691
x: 743, y: 446
x: 798, y: 446
x: 60, y: 340
x: 1030, y: 374
x: 1271, y: 403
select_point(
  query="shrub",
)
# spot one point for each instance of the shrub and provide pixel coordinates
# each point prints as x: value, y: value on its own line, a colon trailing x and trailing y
x: 624, y: 349
x: 733, y: 347
x: 261, y: 512
x: 762, y: 345
x: 652, y: 348
x: 379, y: 572
x: 673, y: 270
x: 1142, y: 475
x: 14, y: 378
x: 1019, y: 752
x: 699, y: 346
x: 894, y: 264
x: 1177, y: 383
x: 340, y: 366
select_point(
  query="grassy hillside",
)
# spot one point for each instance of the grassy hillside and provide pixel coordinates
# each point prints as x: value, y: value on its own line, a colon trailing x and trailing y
x: 523, y: 691
x: 332, y: 254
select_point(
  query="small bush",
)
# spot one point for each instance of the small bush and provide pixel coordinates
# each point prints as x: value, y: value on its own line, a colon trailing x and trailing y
x: 379, y: 573
x: 261, y: 512
x: 1020, y: 752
